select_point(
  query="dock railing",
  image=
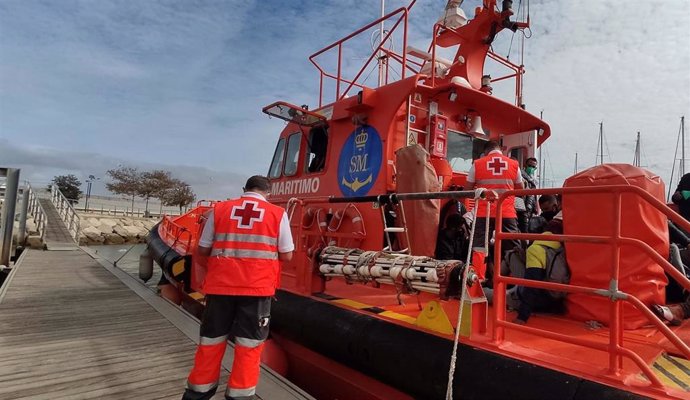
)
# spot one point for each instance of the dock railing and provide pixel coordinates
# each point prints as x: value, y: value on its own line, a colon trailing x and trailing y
x: 66, y: 212
x: 615, y: 348
x: 37, y: 212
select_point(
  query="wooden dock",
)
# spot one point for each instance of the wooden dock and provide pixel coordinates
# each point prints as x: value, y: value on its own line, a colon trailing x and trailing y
x: 74, y: 327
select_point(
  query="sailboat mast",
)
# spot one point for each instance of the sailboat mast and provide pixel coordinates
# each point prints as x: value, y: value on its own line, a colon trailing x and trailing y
x: 682, y: 148
x: 601, y: 143
x: 636, y: 160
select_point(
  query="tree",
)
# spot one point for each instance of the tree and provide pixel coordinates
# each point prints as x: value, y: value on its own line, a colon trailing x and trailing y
x: 69, y: 186
x: 180, y: 194
x: 154, y: 184
x: 126, y: 181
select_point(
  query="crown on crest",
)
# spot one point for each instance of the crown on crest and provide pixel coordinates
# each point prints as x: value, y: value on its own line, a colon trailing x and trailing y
x: 361, y: 138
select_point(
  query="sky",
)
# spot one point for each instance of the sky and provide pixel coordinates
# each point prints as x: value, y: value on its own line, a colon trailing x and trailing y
x: 87, y: 86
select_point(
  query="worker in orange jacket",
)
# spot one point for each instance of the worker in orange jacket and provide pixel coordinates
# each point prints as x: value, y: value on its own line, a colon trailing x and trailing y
x: 499, y: 173
x: 245, y: 240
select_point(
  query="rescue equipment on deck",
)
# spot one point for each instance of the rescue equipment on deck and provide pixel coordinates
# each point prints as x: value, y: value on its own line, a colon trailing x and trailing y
x: 590, y: 265
x: 406, y: 272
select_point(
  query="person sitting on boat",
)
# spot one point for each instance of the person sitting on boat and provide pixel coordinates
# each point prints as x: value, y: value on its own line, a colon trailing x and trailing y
x: 452, y: 240
x: 529, y: 202
x: 681, y: 196
x: 499, y: 173
x: 245, y: 240
x: 679, y: 256
x: 549, y: 208
x: 534, y: 299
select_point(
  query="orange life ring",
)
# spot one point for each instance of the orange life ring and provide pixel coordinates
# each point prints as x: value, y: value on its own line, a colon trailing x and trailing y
x: 311, y: 214
x: 351, y: 213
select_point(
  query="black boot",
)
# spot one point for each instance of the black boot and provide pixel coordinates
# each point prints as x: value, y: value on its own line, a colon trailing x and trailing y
x: 192, y: 395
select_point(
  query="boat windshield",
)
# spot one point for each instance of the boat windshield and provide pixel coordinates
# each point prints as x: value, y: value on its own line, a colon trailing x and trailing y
x: 462, y: 150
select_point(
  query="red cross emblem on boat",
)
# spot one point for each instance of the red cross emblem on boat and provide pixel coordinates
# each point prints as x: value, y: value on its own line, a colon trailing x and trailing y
x: 497, y: 166
x: 246, y: 214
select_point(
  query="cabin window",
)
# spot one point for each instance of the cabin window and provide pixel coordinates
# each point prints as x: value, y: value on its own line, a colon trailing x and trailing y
x: 278, y: 157
x: 316, y: 152
x: 463, y: 150
x: 292, y: 155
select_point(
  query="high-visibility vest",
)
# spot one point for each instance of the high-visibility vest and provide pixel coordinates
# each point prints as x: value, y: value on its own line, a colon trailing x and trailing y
x: 498, y: 173
x: 244, y: 254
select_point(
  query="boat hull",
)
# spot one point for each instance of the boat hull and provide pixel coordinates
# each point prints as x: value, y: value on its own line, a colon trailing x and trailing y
x: 403, y: 359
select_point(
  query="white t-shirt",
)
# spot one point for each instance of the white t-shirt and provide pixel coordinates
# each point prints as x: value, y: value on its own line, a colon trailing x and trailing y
x: 285, y: 243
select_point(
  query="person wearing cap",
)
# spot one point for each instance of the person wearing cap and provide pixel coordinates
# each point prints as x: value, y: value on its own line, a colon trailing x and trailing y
x: 533, y: 299
x: 245, y: 240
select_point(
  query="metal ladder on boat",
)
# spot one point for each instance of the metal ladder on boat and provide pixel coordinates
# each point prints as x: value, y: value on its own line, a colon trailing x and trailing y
x: 388, y: 230
x: 409, y: 130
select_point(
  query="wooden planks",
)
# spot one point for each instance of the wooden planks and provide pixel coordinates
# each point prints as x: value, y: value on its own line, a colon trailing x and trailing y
x: 70, y: 329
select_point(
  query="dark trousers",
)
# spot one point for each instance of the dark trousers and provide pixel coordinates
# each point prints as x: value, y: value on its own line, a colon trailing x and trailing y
x: 244, y: 319
x: 509, y: 225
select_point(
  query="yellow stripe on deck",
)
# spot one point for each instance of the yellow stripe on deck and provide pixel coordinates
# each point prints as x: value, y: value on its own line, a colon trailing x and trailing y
x: 388, y: 314
x: 352, y: 303
x: 672, y: 371
x: 398, y: 316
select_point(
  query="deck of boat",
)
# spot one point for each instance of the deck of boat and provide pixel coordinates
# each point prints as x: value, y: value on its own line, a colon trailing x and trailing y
x: 74, y: 327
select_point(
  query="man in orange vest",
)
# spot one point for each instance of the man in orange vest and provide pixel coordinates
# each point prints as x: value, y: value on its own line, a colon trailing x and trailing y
x: 245, y: 240
x: 499, y: 173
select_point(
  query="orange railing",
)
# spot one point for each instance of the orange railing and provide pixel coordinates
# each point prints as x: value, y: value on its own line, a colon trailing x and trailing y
x: 403, y: 13
x: 174, y: 233
x: 615, y: 348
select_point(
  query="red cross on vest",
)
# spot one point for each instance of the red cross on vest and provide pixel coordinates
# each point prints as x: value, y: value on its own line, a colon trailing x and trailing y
x: 246, y: 214
x: 497, y: 166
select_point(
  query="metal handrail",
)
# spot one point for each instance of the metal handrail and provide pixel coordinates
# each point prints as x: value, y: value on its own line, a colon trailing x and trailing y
x: 66, y: 212
x: 173, y: 232
x: 404, y: 11
x: 37, y: 212
x: 615, y: 347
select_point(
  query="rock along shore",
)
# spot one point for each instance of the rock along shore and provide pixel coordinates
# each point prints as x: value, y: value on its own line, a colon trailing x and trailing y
x: 96, y: 229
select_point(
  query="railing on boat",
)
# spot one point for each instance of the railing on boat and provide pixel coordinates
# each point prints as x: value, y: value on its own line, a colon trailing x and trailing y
x: 172, y: 232
x: 406, y: 64
x: 181, y: 235
x: 615, y: 348
x: 403, y: 14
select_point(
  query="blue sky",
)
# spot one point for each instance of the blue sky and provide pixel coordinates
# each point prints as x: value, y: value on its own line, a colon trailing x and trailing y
x: 90, y: 85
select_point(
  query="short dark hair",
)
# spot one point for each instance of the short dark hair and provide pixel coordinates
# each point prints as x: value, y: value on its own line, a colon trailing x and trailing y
x: 531, y: 159
x: 545, y: 198
x: 491, y: 145
x: 257, y: 182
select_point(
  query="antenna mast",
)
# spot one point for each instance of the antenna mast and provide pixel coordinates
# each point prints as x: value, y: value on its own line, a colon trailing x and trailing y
x: 576, y: 163
x: 381, y: 57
